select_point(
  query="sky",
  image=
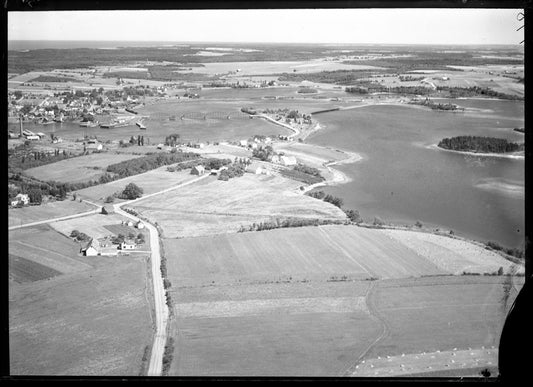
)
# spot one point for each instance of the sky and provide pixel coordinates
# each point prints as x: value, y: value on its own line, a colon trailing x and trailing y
x: 366, y: 26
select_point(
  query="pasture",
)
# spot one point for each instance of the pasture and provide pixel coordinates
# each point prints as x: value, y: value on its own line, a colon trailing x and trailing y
x: 152, y: 181
x: 213, y: 206
x: 78, y: 169
x: 50, y: 210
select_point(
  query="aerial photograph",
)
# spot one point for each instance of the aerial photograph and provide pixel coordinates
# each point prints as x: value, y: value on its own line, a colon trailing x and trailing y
x: 264, y: 192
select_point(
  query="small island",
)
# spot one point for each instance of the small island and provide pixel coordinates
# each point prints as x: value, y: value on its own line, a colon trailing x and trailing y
x: 436, y: 106
x: 480, y: 144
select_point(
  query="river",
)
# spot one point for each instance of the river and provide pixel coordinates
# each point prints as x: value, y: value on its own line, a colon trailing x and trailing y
x: 402, y: 178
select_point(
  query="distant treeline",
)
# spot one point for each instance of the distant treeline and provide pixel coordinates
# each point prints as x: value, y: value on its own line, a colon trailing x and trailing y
x: 286, y: 223
x: 455, y: 92
x: 50, y: 78
x: 480, y: 144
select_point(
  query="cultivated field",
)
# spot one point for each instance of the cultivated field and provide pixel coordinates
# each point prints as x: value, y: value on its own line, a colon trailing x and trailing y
x: 78, y: 169
x: 33, y: 245
x: 307, y: 253
x: 296, y: 302
x: 97, y: 322
x: 454, y: 255
x: 151, y: 181
x: 287, y: 329
x: 214, y: 206
x: 50, y: 210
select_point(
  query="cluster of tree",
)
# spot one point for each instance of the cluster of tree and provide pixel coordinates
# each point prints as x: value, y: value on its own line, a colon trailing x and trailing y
x: 248, y: 110
x: 172, y: 139
x: 356, y: 89
x: 307, y: 90
x: 149, y: 162
x: 456, y: 92
x: 306, y: 178
x: 52, y: 78
x: 286, y: 223
x: 480, y: 144
x: 336, y: 201
x: 23, y: 156
x: 36, y: 190
x: 136, y: 139
x: 354, y: 216
x: 209, y: 163
x: 263, y: 153
x: 79, y: 236
x: 234, y: 170
x: 309, y: 170
x: 519, y: 130
x: 437, y: 106
x: 214, y: 163
x: 409, y: 78
x: 132, y: 191
x: 511, y: 251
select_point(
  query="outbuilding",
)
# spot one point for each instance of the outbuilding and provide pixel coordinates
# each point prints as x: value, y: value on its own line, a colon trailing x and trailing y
x: 288, y: 160
x: 198, y: 170
x: 127, y: 245
x: 139, y: 225
x: 91, y: 248
x: 106, y: 210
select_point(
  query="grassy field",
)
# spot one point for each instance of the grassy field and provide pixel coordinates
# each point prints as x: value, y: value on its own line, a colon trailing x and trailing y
x: 78, y: 169
x: 50, y: 210
x: 214, y: 206
x: 151, y: 181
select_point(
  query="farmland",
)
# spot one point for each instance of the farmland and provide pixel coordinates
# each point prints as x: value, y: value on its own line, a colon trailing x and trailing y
x: 151, y: 181
x: 298, y: 296
x: 18, y: 216
x: 51, y: 314
x: 215, y: 206
x: 78, y: 169
x: 93, y: 225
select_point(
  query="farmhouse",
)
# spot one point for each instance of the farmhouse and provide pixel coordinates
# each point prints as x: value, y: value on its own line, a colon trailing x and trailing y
x: 139, y: 225
x: 21, y: 198
x: 127, y: 245
x: 243, y: 142
x: 94, y: 144
x: 91, y: 248
x: 198, y: 170
x: 288, y: 160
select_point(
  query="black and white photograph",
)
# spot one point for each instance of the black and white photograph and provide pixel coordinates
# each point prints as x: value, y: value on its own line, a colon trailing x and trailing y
x: 266, y: 193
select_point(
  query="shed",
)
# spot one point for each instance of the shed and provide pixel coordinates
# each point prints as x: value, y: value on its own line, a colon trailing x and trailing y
x: 106, y: 210
x: 198, y: 170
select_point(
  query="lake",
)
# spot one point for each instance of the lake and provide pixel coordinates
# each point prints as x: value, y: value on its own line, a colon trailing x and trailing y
x: 402, y: 179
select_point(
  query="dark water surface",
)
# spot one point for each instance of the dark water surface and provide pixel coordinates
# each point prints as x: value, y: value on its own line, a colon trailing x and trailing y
x: 403, y: 179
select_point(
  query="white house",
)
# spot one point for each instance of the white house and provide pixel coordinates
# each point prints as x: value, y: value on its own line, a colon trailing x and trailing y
x: 243, y: 142
x: 127, y: 245
x: 160, y: 146
x: 130, y: 223
x: 275, y: 159
x: 254, y: 145
x: 21, y: 198
x: 198, y: 170
x: 91, y: 248
x: 288, y: 160
x: 139, y: 225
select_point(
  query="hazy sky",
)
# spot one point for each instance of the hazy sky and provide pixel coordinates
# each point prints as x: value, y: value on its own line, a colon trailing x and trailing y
x: 394, y: 26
